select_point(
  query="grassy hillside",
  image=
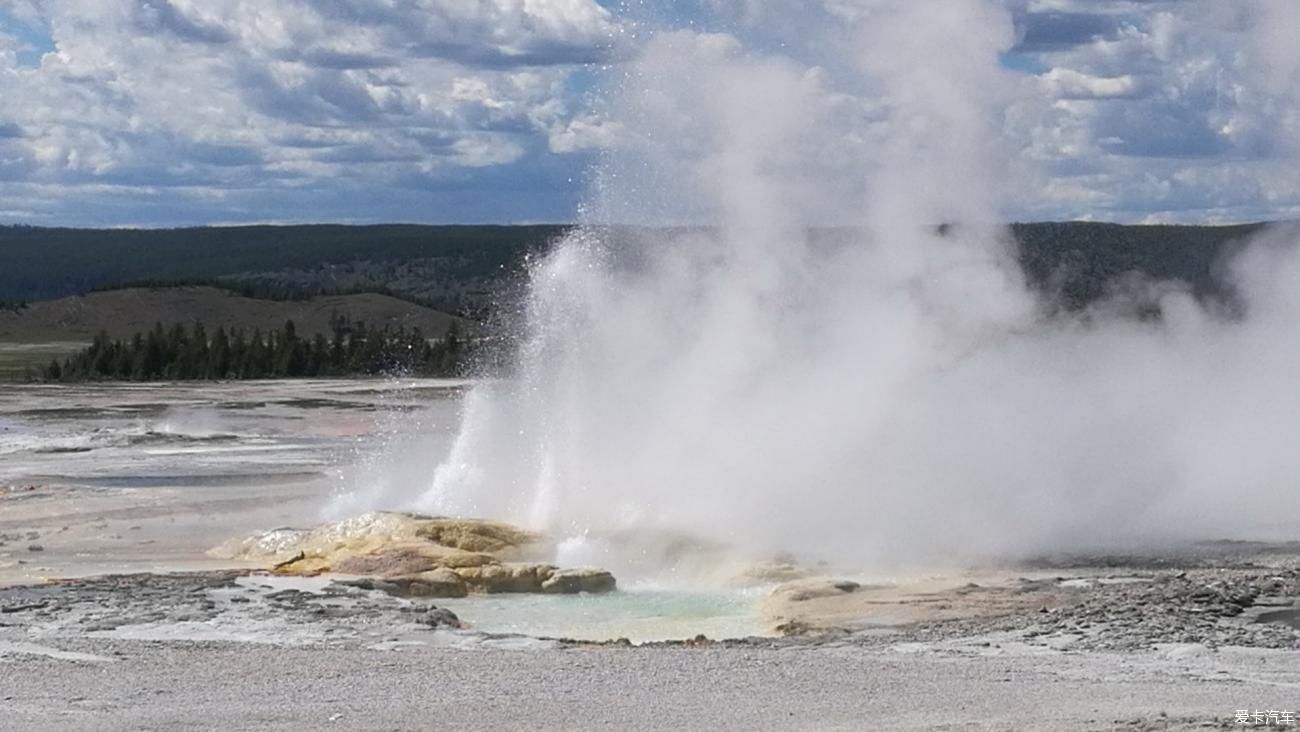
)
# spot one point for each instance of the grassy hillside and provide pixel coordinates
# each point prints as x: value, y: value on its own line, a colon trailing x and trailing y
x: 20, y: 360
x: 123, y: 313
x: 31, y: 336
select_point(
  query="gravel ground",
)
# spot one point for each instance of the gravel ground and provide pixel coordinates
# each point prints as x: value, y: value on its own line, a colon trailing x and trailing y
x: 251, y: 686
x: 1166, y: 648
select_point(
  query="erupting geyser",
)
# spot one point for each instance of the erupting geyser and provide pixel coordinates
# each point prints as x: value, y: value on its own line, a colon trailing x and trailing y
x: 820, y: 368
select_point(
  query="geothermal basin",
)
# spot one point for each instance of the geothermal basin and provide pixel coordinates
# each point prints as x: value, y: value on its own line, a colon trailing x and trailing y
x: 124, y: 479
x: 112, y: 498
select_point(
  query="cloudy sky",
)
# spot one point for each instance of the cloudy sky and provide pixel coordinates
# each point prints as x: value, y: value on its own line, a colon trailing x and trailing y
x: 178, y: 112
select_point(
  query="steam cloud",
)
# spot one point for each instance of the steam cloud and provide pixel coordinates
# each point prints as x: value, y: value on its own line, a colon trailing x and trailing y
x: 899, y: 398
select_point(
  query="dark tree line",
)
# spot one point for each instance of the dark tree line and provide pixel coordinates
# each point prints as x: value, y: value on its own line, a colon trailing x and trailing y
x: 178, y: 353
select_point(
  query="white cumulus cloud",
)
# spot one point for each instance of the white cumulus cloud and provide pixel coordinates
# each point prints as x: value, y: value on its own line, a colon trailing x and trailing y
x: 242, y: 96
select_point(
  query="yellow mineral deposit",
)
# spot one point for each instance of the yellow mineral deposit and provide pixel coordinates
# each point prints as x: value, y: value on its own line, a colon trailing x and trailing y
x: 414, y: 555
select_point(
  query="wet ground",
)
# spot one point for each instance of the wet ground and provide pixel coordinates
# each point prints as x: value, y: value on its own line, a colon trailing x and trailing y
x: 127, y: 477
x: 203, y: 435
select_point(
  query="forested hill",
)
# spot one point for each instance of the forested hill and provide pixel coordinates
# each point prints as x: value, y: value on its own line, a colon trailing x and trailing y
x: 453, y: 268
x: 39, y: 263
x: 1077, y: 262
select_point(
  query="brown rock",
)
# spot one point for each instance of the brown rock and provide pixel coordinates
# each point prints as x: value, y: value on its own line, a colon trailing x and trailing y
x: 573, y: 581
x: 436, y: 583
x: 389, y: 560
x: 475, y: 536
x: 507, y: 578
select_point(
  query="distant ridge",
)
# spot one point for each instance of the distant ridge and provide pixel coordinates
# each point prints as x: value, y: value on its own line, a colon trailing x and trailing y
x: 40, y: 263
x: 457, y: 266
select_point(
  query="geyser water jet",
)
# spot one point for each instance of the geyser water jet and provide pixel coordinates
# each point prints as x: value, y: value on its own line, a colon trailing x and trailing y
x: 897, y: 395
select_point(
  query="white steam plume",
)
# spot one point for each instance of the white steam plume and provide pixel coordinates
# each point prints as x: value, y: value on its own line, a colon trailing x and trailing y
x: 901, y: 397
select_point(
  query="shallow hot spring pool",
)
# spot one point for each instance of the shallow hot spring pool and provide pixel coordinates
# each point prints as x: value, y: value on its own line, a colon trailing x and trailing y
x: 639, y: 615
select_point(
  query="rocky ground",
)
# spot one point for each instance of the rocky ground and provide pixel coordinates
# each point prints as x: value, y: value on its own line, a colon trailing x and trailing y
x: 1253, y: 607
x: 228, y: 650
x: 222, y: 604
x: 1168, y: 640
x: 1133, y: 612
x: 1125, y: 645
x: 1218, y: 594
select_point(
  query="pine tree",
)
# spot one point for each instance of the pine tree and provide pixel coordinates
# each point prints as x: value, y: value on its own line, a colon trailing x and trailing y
x: 217, y: 364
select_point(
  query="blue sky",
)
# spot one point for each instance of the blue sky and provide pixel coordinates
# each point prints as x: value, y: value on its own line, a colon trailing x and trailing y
x: 31, y: 39
x: 181, y: 112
